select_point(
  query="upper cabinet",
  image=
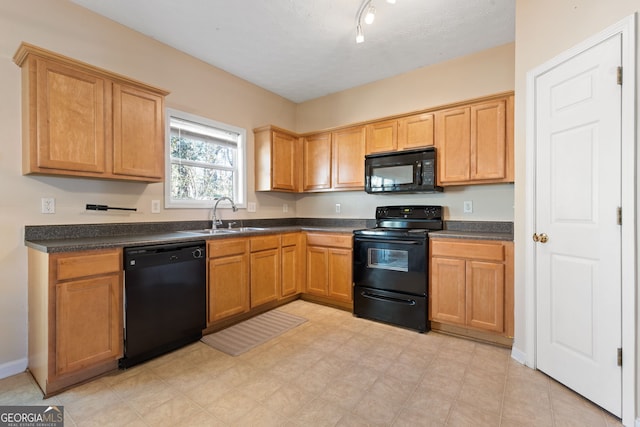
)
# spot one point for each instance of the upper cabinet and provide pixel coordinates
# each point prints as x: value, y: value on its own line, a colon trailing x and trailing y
x: 277, y: 160
x: 334, y: 161
x: 475, y: 142
x: 79, y: 120
x: 326, y: 161
x: 348, y: 147
x: 316, y: 162
x: 405, y: 133
x: 138, y: 133
x: 415, y: 131
x: 382, y: 136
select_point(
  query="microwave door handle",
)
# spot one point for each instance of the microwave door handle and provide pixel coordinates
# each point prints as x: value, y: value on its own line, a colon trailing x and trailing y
x: 418, y: 174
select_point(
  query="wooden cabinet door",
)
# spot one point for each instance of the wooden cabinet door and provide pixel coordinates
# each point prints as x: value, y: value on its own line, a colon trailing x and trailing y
x: 316, y: 160
x: 69, y: 128
x: 88, y: 323
x: 447, y: 293
x: 265, y: 276
x: 453, y: 142
x: 292, y: 265
x: 348, y: 158
x: 415, y: 131
x: 228, y: 286
x: 485, y: 295
x: 340, y: 262
x: 138, y: 133
x: 317, y: 271
x: 284, y: 160
x: 488, y: 141
x: 382, y: 136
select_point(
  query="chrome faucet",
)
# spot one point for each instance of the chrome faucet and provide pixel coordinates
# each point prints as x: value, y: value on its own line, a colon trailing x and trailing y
x: 215, y: 222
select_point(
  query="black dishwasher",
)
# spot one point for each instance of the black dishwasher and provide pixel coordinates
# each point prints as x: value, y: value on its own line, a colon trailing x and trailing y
x: 165, y: 299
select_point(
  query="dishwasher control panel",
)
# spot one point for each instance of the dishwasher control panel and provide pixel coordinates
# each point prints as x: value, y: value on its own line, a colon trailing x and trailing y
x: 170, y: 253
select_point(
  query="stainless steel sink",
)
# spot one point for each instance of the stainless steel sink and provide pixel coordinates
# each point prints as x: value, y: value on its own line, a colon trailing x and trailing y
x: 213, y: 231
x: 246, y: 229
x: 209, y: 231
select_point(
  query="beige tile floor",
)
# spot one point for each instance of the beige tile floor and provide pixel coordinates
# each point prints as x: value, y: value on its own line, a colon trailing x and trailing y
x: 334, y: 370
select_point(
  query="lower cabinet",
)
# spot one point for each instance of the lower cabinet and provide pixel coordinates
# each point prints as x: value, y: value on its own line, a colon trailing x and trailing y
x: 329, y: 266
x: 75, y: 316
x: 472, y: 284
x: 228, y: 278
x: 293, y: 265
x: 248, y: 272
x: 265, y: 269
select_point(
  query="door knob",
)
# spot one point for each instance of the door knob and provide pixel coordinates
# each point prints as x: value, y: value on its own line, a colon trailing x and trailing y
x: 542, y: 238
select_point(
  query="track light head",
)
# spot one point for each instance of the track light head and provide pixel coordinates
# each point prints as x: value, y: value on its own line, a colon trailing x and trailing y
x: 370, y: 16
x: 359, y: 34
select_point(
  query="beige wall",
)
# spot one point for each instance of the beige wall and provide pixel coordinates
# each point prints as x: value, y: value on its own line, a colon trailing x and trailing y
x: 484, y: 73
x: 195, y: 87
x: 472, y: 76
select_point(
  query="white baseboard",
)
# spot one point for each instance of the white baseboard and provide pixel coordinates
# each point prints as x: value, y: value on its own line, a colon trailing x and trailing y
x: 14, y: 367
x: 518, y: 356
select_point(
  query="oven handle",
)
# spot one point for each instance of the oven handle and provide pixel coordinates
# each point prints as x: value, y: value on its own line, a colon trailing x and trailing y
x: 400, y: 242
x: 388, y: 299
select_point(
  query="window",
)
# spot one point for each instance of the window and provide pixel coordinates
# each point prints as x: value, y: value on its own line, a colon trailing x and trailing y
x: 205, y: 160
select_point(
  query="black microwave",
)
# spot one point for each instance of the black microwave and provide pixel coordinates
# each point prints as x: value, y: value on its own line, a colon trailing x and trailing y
x: 401, y: 171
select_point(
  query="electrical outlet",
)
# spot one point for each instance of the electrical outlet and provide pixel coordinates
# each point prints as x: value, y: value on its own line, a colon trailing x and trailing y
x: 468, y: 207
x: 251, y: 207
x: 48, y: 205
x: 338, y: 208
x: 155, y: 206
x: 285, y: 208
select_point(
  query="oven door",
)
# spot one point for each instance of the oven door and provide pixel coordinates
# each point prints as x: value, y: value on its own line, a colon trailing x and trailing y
x: 392, y: 264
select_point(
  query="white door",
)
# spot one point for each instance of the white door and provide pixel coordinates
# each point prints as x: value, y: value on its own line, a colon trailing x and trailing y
x: 578, y: 192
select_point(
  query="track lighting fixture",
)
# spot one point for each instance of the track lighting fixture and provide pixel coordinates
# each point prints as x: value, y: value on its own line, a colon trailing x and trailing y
x: 369, y: 13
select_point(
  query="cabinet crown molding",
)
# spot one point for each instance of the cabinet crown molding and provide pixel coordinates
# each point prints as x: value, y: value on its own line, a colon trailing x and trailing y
x: 25, y: 50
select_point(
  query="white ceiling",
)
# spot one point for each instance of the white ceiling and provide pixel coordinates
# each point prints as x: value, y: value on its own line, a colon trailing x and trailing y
x: 304, y: 49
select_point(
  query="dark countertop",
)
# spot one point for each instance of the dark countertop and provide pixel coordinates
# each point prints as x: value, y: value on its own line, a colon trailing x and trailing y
x: 473, y: 235
x: 68, y: 238
x: 476, y: 230
x: 51, y: 239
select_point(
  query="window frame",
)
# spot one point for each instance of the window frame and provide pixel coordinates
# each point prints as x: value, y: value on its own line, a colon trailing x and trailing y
x: 240, y: 184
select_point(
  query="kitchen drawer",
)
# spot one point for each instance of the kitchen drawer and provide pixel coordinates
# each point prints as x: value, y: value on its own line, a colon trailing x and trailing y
x: 290, y: 239
x: 217, y: 248
x: 87, y: 263
x: 262, y: 243
x: 330, y: 240
x: 472, y: 249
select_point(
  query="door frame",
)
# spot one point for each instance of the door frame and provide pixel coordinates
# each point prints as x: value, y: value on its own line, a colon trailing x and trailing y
x: 629, y: 257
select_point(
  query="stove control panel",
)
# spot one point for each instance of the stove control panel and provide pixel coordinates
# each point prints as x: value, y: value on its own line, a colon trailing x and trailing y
x: 409, y: 212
